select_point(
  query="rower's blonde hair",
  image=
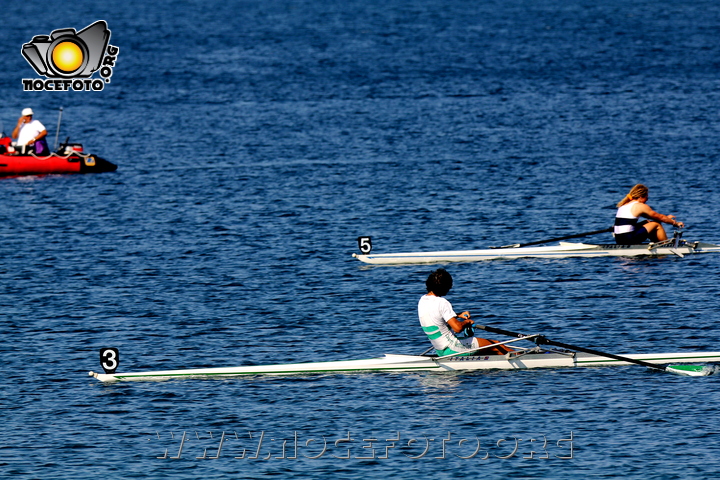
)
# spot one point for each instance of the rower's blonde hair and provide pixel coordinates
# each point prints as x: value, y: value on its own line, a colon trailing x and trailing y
x: 636, y: 192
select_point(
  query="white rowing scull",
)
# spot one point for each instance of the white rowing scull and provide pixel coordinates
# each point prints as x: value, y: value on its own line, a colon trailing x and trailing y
x: 417, y: 363
x: 538, y: 356
x: 674, y: 246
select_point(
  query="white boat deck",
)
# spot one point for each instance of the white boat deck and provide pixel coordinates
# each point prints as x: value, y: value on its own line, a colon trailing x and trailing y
x: 410, y: 363
x: 563, y: 250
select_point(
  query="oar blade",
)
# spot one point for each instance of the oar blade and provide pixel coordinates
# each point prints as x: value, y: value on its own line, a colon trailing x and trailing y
x: 691, y: 370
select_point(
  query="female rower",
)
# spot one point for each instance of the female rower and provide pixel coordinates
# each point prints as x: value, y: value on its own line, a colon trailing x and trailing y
x: 444, y: 327
x: 628, y: 231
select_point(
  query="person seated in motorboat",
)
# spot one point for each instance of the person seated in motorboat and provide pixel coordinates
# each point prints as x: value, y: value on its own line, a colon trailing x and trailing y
x: 629, y: 230
x: 449, y: 332
x: 29, y: 132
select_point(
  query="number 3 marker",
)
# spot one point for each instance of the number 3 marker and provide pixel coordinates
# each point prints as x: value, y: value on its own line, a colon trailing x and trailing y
x: 109, y: 359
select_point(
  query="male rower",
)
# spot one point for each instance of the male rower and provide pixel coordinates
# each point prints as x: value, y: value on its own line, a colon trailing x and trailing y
x: 628, y: 231
x: 444, y: 327
x: 31, y: 132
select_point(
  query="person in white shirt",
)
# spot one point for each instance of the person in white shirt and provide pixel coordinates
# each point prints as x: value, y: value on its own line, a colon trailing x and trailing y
x: 629, y: 230
x: 30, y: 132
x: 448, y: 331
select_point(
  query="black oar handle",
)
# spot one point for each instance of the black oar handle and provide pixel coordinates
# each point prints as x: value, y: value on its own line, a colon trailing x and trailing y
x: 541, y: 340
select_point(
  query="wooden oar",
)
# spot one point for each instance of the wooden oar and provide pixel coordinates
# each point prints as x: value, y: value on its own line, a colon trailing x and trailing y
x: 566, y: 237
x: 690, y: 370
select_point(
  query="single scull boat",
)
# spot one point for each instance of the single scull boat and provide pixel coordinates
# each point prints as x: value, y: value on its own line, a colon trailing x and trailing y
x: 674, y: 246
x: 523, y: 358
x: 416, y: 363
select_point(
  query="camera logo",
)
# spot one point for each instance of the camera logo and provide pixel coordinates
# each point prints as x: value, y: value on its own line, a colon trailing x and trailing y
x: 68, y: 59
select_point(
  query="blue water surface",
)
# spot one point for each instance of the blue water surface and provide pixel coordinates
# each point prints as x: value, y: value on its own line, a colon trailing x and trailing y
x: 256, y: 140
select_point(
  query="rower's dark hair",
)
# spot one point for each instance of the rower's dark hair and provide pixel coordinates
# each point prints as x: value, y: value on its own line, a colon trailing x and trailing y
x: 439, y: 282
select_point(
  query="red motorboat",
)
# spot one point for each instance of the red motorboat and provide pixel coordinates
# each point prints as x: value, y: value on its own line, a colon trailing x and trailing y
x: 70, y: 158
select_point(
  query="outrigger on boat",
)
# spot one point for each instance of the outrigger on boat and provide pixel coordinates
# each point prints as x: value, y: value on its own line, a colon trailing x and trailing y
x: 673, y: 246
x: 539, y: 356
